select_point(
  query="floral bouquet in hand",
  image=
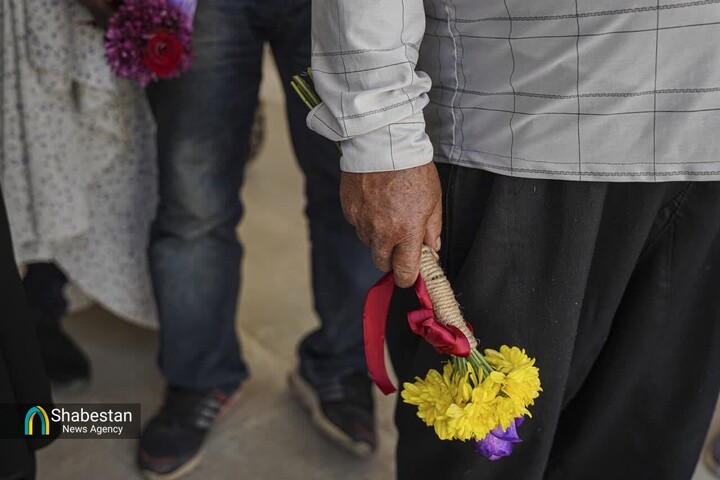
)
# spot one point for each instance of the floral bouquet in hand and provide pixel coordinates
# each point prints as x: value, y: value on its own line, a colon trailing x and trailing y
x: 148, y: 40
x: 479, y: 397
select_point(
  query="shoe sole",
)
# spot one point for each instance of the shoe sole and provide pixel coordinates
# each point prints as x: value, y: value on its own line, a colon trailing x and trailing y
x: 710, y: 462
x: 186, y: 468
x: 307, y: 397
x: 74, y: 387
x: 195, y: 461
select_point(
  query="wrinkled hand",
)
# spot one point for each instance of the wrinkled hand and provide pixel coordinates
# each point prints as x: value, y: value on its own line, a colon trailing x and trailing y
x: 101, y: 10
x: 395, y: 213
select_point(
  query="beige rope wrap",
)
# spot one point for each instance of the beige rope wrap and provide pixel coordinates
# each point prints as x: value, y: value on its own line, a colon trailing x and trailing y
x: 447, y: 310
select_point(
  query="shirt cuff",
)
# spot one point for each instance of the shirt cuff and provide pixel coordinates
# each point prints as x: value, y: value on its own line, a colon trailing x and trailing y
x: 397, y: 146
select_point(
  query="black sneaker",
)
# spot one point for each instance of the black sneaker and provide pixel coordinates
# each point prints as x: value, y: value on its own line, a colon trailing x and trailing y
x: 344, y: 410
x: 67, y: 367
x: 171, y: 444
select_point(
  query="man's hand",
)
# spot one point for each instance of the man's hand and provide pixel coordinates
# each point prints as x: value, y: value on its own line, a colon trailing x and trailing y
x: 101, y: 10
x: 395, y: 213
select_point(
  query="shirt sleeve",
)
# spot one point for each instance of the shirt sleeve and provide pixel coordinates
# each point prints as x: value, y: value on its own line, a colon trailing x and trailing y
x: 364, y: 58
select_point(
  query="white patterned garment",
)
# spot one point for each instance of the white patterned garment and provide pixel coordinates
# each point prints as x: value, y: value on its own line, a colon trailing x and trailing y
x: 77, y: 163
x: 592, y: 90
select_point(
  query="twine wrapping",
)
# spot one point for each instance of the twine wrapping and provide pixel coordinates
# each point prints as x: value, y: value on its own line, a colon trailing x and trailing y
x: 447, y: 310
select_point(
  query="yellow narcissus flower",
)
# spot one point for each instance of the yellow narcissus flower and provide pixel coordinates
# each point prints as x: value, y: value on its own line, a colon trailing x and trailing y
x: 522, y: 382
x: 481, y: 414
x: 508, y: 358
x: 476, y: 409
x: 440, y: 399
x: 433, y: 396
x: 430, y: 395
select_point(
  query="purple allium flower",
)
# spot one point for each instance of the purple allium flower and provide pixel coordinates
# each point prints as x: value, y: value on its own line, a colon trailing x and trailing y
x: 499, y: 443
x: 130, y: 32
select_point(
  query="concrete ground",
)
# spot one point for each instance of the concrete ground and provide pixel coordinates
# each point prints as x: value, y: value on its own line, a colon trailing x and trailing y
x: 267, y: 435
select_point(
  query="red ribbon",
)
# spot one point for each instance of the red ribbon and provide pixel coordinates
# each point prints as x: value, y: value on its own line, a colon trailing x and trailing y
x: 446, y: 339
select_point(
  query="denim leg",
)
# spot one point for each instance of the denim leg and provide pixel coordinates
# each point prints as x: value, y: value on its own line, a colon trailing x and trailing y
x: 204, y: 120
x: 342, y: 270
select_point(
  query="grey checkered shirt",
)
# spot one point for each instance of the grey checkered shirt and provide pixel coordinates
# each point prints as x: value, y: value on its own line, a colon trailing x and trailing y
x: 597, y: 90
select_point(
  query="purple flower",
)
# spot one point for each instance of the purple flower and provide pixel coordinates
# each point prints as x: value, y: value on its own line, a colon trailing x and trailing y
x: 131, y: 30
x: 499, y: 443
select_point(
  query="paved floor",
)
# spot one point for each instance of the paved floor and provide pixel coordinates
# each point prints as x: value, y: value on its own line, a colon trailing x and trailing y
x: 266, y: 436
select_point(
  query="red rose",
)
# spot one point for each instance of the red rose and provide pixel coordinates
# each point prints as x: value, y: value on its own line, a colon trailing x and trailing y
x: 163, y: 54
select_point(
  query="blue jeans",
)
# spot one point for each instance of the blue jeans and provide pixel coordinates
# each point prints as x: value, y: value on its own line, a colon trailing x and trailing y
x: 204, y: 122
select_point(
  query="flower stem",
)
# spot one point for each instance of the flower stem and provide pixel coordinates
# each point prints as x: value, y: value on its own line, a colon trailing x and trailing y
x: 478, y: 362
x: 460, y: 365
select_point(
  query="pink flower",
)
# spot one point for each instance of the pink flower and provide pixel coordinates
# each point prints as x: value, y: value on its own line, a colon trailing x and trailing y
x: 149, y: 39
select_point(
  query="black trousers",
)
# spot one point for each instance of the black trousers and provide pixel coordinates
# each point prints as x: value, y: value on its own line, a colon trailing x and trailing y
x: 615, y: 289
x: 22, y: 374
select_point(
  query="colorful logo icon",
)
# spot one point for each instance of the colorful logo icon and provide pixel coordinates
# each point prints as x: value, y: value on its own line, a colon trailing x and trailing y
x: 44, y: 421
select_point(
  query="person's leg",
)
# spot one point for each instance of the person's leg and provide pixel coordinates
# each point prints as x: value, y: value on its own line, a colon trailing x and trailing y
x: 204, y: 120
x: 22, y: 373
x: 543, y: 265
x: 66, y: 364
x: 44, y: 284
x: 644, y: 393
x: 331, y: 356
